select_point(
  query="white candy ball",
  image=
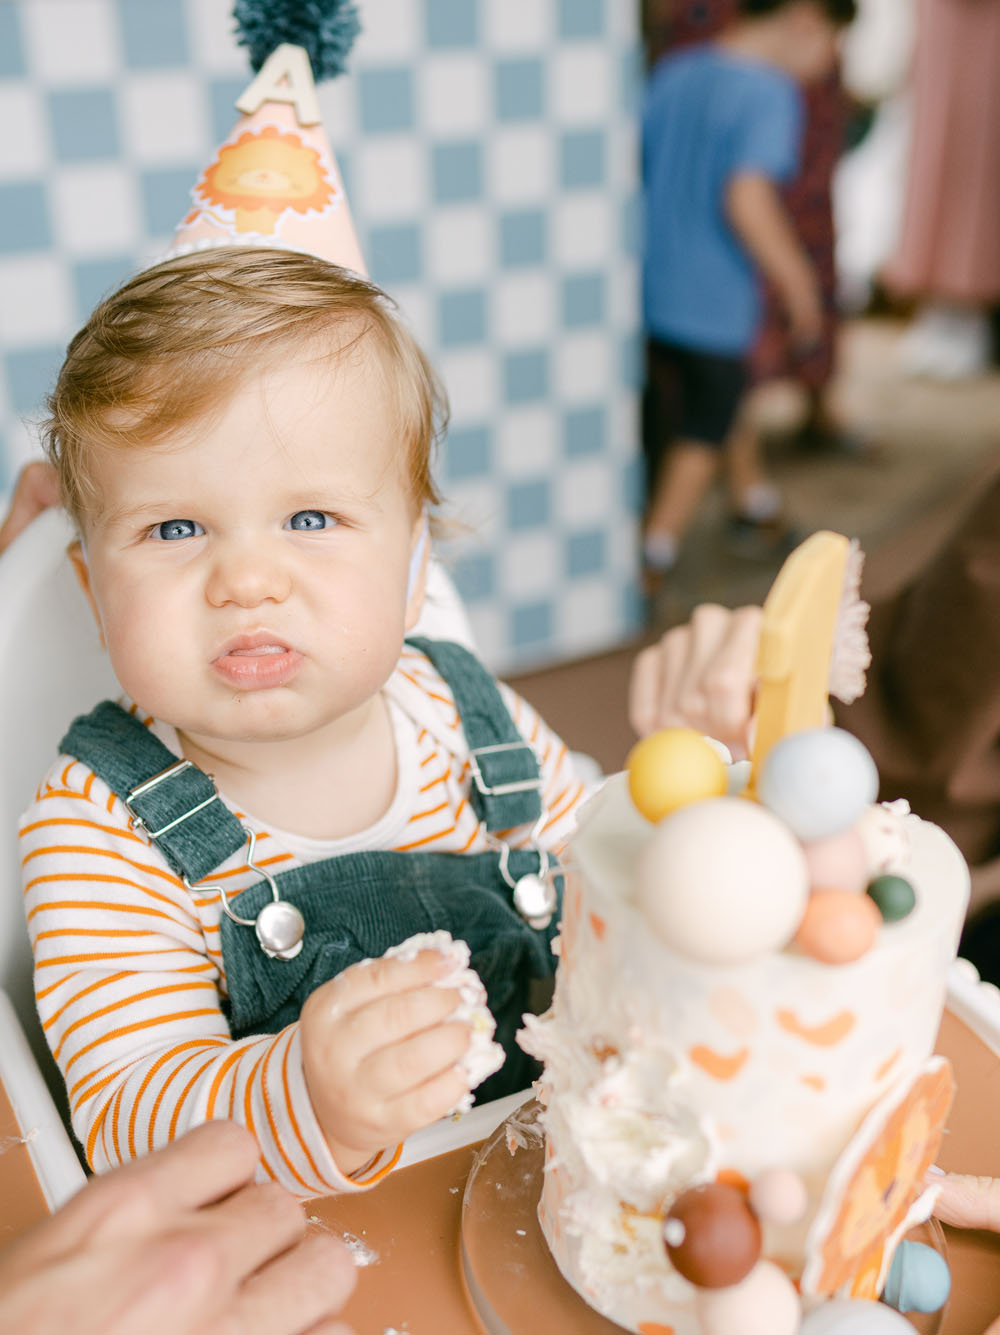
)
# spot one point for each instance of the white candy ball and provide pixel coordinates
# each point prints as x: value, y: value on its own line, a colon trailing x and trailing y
x: 765, y: 1303
x: 722, y: 881
x: 779, y: 1196
x: 818, y: 781
x: 854, y: 1316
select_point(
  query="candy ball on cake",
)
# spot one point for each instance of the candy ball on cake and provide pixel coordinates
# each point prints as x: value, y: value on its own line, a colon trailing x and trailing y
x: 671, y: 768
x: 854, y: 1316
x: 779, y: 1196
x: 839, y: 862
x: 838, y: 927
x: 893, y: 896
x: 765, y: 1303
x: 712, y: 1236
x: 722, y: 881
x: 919, y: 1279
x: 818, y: 781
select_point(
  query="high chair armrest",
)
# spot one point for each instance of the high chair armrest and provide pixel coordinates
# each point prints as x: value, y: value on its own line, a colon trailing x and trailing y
x: 53, y: 1157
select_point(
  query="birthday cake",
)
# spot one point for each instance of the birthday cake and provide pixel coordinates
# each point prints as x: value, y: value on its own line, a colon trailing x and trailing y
x: 740, y: 1101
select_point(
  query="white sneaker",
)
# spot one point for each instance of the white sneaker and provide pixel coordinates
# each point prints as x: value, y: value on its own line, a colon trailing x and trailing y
x: 946, y: 343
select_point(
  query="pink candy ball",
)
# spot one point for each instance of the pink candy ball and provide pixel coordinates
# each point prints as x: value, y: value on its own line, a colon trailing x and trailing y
x: 765, y: 1303
x: 779, y: 1196
x: 838, y: 863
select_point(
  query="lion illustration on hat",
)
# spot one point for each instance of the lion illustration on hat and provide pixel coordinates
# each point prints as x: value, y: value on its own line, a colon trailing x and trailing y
x: 261, y: 175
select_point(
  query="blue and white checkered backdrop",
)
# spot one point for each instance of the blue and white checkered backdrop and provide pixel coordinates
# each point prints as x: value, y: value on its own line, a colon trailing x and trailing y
x: 488, y: 149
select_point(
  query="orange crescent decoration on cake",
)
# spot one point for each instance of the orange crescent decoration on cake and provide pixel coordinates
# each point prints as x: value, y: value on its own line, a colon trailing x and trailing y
x: 732, y: 1177
x: 887, y: 1065
x: 815, y: 1082
x: 716, y: 1064
x: 826, y: 1035
x: 654, y: 1328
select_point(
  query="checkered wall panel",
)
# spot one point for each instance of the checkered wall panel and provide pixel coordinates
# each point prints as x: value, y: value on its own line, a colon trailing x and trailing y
x: 488, y: 149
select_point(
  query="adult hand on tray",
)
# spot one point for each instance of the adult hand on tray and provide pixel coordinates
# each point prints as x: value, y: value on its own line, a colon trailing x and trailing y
x: 970, y: 1202
x: 182, y: 1242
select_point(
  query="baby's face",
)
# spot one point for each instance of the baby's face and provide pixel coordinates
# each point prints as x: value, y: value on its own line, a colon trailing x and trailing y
x: 250, y: 580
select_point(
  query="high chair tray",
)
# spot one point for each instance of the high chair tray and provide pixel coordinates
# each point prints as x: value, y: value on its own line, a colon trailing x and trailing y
x: 407, y: 1231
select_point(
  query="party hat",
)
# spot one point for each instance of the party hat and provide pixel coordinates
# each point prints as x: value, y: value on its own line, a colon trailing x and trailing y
x: 275, y: 180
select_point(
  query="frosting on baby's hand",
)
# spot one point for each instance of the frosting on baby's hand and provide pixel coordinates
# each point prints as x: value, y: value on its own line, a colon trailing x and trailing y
x: 483, y: 1056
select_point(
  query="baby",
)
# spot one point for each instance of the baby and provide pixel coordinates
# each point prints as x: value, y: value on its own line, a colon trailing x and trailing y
x: 243, y: 438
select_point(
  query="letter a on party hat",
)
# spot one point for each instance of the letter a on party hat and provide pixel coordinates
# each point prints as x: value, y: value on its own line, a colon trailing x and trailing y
x: 275, y: 181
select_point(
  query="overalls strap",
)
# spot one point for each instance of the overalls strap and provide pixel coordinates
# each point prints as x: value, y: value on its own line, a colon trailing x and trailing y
x: 178, y: 807
x: 356, y: 905
x: 506, y: 781
x: 171, y: 800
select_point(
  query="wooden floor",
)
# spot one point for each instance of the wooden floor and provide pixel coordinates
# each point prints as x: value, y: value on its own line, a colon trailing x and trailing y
x: 931, y: 444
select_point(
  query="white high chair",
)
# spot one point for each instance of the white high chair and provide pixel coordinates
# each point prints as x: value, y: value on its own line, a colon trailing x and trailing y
x: 52, y: 667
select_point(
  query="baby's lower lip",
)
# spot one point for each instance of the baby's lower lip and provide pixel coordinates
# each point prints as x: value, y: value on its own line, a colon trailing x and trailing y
x: 258, y: 669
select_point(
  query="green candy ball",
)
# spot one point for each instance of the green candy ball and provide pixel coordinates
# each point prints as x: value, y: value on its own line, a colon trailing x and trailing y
x: 894, y: 897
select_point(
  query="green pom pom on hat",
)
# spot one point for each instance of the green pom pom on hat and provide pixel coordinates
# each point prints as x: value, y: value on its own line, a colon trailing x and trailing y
x: 326, y: 29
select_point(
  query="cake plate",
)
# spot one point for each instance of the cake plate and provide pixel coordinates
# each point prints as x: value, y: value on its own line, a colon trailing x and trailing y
x: 513, y: 1282
x: 515, y: 1286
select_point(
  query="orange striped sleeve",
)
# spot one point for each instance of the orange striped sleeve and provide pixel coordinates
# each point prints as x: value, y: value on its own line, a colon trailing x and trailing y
x: 130, y: 994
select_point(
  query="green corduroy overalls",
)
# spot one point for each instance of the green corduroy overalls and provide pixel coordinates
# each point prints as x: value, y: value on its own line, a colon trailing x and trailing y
x: 357, y: 905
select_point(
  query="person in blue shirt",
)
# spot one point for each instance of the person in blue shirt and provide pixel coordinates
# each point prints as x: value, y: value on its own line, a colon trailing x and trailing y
x: 721, y: 126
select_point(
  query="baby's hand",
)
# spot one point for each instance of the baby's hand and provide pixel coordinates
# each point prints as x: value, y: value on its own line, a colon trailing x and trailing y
x: 379, y: 1053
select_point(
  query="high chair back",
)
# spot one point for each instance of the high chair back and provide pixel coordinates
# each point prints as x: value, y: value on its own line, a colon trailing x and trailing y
x: 52, y: 667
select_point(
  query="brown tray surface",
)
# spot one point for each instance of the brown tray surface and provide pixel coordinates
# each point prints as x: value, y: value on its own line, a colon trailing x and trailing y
x: 22, y: 1202
x: 411, y: 1223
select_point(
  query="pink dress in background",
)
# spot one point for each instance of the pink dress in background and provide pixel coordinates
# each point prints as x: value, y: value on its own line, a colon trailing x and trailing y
x: 950, y: 242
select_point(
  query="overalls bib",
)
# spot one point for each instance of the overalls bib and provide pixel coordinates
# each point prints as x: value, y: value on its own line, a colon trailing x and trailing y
x: 357, y: 905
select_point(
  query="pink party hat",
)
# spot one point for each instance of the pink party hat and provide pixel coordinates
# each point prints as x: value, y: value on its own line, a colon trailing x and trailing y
x: 275, y: 181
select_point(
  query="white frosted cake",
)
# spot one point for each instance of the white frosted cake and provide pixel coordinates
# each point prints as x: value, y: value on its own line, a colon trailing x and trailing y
x: 740, y: 1101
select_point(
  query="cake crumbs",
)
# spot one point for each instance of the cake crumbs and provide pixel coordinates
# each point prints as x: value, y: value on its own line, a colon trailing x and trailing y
x: 11, y: 1142
x: 361, y: 1254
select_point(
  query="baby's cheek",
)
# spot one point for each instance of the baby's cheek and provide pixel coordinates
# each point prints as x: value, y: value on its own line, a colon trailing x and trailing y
x: 143, y: 652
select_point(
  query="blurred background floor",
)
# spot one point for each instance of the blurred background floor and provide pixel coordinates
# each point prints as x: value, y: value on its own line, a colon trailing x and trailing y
x: 929, y: 441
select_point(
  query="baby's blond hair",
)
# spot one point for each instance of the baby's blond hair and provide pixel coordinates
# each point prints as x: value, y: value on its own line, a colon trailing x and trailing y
x: 173, y: 343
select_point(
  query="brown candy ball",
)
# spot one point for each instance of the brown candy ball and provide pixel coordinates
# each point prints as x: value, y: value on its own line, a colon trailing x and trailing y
x: 712, y: 1236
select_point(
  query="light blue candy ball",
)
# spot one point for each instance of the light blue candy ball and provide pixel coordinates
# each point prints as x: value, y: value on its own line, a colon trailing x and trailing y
x: 854, y: 1316
x: 919, y: 1279
x: 818, y: 782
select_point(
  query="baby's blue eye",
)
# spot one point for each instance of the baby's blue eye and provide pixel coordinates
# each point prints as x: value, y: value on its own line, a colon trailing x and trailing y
x: 173, y: 529
x: 305, y: 521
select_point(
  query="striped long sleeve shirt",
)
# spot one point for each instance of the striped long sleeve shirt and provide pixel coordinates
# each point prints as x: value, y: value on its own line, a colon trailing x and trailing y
x: 129, y: 976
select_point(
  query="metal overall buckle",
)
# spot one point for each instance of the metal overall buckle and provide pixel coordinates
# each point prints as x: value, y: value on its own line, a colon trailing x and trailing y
x: 279, y: 925
x: 534, y: 895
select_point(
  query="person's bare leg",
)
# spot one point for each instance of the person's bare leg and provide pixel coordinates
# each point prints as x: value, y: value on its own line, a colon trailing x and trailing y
x: 686, y: 475
x: 744, y: 467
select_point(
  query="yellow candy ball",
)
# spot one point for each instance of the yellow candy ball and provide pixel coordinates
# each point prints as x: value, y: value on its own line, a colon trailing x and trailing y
x: 671, y: 768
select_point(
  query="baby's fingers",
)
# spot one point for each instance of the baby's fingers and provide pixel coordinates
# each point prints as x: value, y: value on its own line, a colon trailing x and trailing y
x: 396, y: 1070
x: 427, y: 1103
x: 372, y: 980
x: 388, y: 1021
